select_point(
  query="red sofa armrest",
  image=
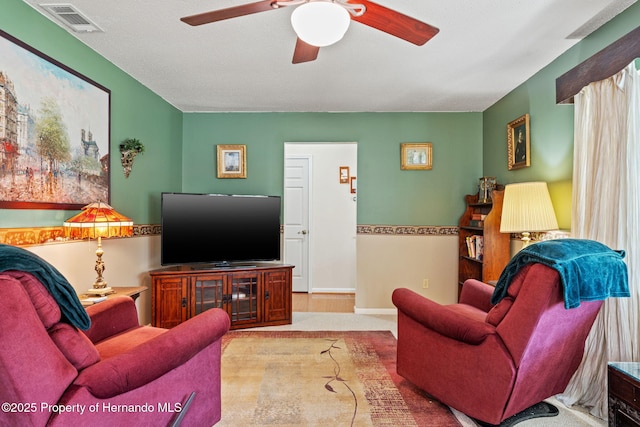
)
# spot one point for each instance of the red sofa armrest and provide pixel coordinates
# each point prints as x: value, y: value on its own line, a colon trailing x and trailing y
x: 111, y: 317
x: 477, y: 294
x: 152, y: 359
x: 440, y: 318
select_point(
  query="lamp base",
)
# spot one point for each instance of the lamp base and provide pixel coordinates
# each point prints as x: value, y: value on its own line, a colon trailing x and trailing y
x: 100, y: 291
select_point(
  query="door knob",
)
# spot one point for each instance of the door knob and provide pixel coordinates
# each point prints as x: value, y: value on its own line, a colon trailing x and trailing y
x: 302, y: 232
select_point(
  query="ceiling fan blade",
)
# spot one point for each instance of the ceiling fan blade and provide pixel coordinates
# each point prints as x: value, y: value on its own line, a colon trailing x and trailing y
x: 304, y: 52
x: 231, y: 12
x: 394, y: 23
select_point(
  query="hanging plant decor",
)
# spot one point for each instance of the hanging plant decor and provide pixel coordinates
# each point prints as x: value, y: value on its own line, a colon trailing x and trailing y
x: 129, y: 149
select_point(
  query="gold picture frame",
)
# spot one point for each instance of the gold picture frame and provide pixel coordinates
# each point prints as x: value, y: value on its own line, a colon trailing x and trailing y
x: 344, y: 174
x: 416, y: 156
x: 518, y: 143
x: 232, y: 161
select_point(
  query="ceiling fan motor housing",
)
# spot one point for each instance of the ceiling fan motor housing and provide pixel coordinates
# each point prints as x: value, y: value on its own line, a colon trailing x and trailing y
x: 320, y: 23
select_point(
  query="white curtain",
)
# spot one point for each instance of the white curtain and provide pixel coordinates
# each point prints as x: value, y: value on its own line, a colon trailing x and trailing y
x: 606, y: 208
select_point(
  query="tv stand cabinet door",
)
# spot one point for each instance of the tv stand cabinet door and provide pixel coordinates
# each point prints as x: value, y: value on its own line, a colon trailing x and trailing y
x: 170, y: 301
x: 277, y: 296
x: 243, y: 297
x: 207, y: 291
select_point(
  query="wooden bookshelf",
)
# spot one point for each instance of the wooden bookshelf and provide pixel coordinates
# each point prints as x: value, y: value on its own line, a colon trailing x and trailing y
x: 487, y: 266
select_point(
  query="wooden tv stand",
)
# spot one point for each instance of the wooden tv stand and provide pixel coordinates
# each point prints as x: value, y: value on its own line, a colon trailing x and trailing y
x: 255, y: 295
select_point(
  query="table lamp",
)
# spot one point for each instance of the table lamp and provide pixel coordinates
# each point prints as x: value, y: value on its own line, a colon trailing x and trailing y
x: 527, y: 207
x: 98, y: 220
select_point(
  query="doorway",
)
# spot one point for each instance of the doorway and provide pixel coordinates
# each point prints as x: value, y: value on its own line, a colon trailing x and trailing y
x: 320, y: 216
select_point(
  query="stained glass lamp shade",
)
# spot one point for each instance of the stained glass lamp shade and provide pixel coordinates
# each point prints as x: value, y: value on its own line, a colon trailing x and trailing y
x: 98, y: 220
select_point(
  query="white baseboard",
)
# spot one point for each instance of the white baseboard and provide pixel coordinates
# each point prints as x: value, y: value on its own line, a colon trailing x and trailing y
x: 333, y: 291
x: 385, y: 311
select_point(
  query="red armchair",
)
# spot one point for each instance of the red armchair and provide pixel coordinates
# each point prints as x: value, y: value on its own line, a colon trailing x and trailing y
x: 491, y: 362
x: 117, y: 373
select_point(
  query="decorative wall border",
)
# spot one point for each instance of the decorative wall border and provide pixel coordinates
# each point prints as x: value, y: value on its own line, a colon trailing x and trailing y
x: 40, y: 235
x: 146, y: 229
x: 408, y: 230
x: 31, y: 236
x: 540, y: 236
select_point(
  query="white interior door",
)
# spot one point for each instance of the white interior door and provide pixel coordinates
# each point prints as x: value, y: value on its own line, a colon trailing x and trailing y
x: 296, y: 219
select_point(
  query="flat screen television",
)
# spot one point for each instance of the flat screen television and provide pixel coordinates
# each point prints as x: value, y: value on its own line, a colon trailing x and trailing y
x: 219, y: 229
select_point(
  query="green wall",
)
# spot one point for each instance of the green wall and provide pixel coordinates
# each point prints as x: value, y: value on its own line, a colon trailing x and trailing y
x: 180, y: 148
x: 135, y: 112
x: 386, y: 194
x: 551, y: 124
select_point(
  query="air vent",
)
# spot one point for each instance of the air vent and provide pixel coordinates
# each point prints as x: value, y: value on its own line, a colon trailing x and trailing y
x: 71, y: 17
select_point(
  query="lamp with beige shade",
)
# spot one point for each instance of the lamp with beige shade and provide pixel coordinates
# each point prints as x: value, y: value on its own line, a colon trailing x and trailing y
x: 527, y: 208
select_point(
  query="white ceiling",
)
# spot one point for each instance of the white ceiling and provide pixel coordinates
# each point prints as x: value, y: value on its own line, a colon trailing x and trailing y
x: 485, y: 48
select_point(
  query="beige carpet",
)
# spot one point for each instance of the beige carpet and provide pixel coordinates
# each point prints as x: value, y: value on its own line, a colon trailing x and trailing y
x: 320, y: 378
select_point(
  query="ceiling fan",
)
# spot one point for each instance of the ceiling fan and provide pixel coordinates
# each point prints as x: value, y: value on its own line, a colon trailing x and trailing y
x: 319, y: 23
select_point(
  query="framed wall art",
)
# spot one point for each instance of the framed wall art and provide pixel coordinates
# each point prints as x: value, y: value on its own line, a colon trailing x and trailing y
x: 54, y: 132
x: 518, y: 143
x: 415, y: 156
x: 232, y: 161
x: 344, y: 174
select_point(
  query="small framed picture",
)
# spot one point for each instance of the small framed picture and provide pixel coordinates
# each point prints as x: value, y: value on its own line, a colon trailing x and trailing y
x: 518, y: 145
x: 415, y: 156
x: 232, y: 161
x: 344, y: 174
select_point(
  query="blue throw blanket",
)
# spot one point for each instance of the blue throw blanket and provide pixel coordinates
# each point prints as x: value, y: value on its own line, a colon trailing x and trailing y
x: 14, y: 258
x: 588, y: 269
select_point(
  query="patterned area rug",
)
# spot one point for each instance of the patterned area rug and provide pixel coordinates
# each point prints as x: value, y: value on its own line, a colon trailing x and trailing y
x: 320, y: 379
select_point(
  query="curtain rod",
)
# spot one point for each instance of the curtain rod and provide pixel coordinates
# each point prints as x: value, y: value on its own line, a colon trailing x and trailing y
x: 600, y: 66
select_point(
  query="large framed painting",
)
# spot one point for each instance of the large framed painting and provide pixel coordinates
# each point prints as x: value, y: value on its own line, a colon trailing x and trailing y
x: 54, y: 132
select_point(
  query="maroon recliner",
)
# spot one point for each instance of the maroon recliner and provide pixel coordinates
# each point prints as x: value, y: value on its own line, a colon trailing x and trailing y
x: 491, y: 362
x: 117, y: 373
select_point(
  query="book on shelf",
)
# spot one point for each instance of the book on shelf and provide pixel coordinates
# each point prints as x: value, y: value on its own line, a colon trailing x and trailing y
x: 475, y: 246
x: 478, y: 216
x: 476, y: 223
x: 471, y: 246
x: 479, y: 247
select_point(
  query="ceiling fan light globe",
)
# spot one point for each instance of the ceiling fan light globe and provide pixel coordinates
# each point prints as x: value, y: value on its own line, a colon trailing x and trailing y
x: 320, y: 23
